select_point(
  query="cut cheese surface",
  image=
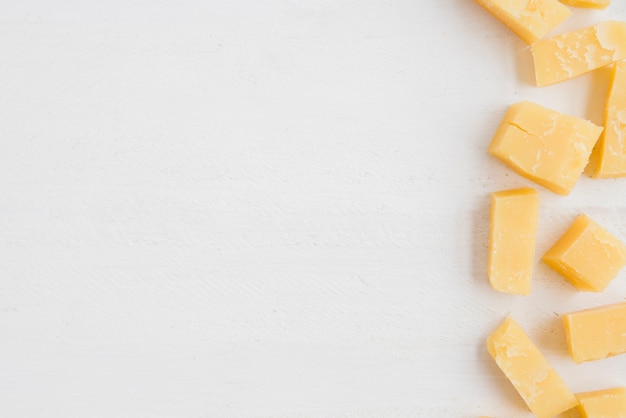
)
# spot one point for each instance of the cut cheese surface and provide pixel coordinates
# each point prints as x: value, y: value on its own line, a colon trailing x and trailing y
x: 590, y: 4
x: 544, y: 145
x: 529, y: 19
x: 607, y: 403
x: 574, y: 53
x: 514, y: 216
x: 543, y: 390
x: 611, y: 149
x: 587, y: 255
x: 596, y: 333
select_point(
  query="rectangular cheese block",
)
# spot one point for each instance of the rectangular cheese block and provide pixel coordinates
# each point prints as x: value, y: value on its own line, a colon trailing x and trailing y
x: 596, y: 333
x: 611, y: 148
x: 513, y: 227
x: 607, y: 403
x: 574, y: 53
x: 543, y: 390
x: 590, y: 4
x: 587, y: 255
x: 544, y: 145
x: 529, y: 19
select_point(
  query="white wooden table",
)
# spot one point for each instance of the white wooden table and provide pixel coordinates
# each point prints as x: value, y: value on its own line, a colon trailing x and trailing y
x: 270, y: 209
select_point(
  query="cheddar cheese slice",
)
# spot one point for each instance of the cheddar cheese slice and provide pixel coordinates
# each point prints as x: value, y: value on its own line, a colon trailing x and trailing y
x: 574, y: 53
x: 596, y: 333
x: 611, y: 148
x: 545, y: 146
x: 513, y: 227
x: 607, y: 403
x: 587, y: 255
x: 543, y: 390
x: 591, y: 4
x: 529, y: 19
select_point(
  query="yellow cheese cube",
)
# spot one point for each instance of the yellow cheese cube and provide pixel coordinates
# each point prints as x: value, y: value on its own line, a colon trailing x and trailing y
x: 529, y: 19
x: 608, y: 403
x: 514, y: 216
x: 611, y: 149
x: 543, y: 390
x: 574, y: 53
x: 591, y: 4
x: 587, y: 255
x: 545, y: 146
x: 596, y: 333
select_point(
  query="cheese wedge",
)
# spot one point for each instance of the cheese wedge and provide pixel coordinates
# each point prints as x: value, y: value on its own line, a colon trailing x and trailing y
x: 596, y: 333
x: 608, y: 403
x: 513, y: 227
x: 574, y: 53
x: 529, y: 19
x: 545, y: 146
x: 590, y: 4
x: 587, y: 255
x: 543, y: 390
x: 611, y: 148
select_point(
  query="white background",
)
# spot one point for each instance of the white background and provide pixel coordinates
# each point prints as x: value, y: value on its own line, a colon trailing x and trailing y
x: 270, y: 208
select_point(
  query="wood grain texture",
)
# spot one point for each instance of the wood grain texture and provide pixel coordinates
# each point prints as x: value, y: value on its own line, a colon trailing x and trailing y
x: 269, y: 209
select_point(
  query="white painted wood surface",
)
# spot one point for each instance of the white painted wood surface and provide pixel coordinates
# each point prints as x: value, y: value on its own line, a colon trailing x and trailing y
x: 269, y: 209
